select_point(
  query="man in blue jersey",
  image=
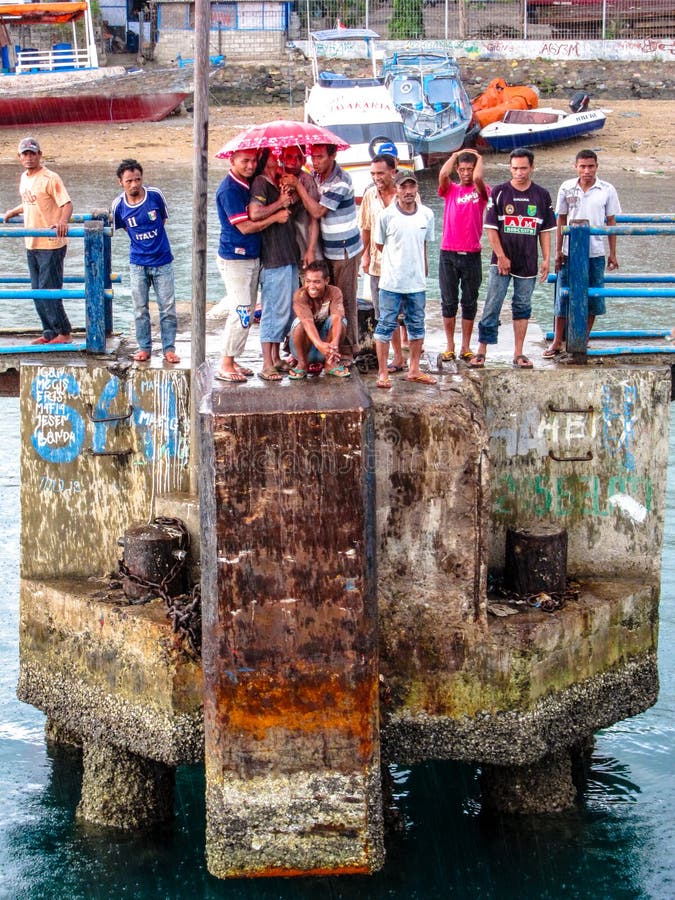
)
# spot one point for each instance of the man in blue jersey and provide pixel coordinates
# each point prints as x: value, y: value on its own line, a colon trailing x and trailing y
x: 142, y: 212
x: 340, y: 234
x: 239, y: 259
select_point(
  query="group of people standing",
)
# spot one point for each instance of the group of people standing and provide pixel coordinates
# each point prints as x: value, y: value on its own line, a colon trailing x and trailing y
x: 278, y: 221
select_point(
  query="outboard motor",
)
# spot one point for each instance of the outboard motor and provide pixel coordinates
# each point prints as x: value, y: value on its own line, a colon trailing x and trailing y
x: 579, y: 101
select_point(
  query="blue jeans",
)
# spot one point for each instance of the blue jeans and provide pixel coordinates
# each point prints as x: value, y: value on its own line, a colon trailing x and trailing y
x: 497, y: 287
x: 277, y: 287
x: 596, y: 278
x: 413, y: 314
x: 313, y: 355
x: 46, y: 273
x: 161, y: 278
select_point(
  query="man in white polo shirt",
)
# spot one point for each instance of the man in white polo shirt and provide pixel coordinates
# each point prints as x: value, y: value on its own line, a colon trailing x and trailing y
x: 583, y: 197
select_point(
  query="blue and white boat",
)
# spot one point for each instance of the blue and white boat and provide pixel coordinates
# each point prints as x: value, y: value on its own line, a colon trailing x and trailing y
x: 538, y: 127
x: 428, y: 92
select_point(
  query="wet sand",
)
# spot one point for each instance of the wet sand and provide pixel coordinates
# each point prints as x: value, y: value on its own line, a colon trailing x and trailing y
x: 637, y: 137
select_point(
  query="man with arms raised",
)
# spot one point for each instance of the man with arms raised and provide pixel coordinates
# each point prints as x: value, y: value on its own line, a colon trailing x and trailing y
x: 460, y: 261
x: 584, y: 197
x: 519, y: 217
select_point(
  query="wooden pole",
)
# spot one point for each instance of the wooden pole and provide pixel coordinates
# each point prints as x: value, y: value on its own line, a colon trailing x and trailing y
x: 199, y: 221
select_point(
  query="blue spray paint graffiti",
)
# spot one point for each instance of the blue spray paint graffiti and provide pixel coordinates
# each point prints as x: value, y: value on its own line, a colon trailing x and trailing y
x: 58, y: 436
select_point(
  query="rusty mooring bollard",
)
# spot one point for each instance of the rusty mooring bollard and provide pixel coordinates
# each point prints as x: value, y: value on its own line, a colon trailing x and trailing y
x: 535, y: 560
x: 153, y: 561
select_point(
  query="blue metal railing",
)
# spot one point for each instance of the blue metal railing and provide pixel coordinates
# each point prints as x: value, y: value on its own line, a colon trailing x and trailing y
x: 97, y: 293
x: 579, y: 291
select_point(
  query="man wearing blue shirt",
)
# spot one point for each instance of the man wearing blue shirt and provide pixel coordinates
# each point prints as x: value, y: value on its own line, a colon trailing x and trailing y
x: 142, y: 212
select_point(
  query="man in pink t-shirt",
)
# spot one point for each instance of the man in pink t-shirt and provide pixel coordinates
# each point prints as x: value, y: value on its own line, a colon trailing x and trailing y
x: 460, y: 262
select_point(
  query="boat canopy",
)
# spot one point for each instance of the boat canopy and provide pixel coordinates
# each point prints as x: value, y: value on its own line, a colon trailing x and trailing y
x: 41, y: 13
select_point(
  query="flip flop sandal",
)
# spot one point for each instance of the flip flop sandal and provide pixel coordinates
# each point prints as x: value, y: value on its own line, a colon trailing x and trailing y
x: 297, y: 374
x: 448, y: 355
x: 247, y: 373
x: 338, y: 372
x: 171, y: 357
x: 383, y: 381
x: 477, y: 361
x: 392, y: 369
x: 550, y: 352
x: 422, y: 378
x: 522, y: 362
x: 231, y: 377
x: 467, y: 356
x: 141, y: 356
x: 270, y: 375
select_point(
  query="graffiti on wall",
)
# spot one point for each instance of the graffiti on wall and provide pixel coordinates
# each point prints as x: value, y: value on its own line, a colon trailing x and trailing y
x: 154, y: 414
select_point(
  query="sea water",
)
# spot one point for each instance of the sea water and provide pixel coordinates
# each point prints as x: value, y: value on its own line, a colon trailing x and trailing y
x: 619, y: 842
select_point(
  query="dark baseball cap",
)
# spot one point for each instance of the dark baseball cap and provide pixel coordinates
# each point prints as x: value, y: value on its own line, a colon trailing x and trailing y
x: 404, y: 175
x: 29, y: 144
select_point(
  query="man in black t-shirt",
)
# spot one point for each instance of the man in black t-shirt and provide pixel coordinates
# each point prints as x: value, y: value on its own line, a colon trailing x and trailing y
x: 519, y: 218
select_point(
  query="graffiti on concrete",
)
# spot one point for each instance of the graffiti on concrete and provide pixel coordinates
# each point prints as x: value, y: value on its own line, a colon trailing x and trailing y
x: 158, y: 423
x: 59, y: 432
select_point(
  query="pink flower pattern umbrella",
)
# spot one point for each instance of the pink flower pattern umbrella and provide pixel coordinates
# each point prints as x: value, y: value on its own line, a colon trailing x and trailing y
x: 280, y: 134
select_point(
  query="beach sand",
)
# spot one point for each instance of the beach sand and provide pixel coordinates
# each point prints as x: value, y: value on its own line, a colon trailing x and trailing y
x: 636, y: 138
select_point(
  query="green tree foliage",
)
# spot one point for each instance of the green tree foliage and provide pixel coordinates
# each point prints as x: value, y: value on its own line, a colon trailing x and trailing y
x: 407, y: 20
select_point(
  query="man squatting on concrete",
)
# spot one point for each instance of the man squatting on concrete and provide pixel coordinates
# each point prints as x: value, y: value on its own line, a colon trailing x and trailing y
x: 402, y: 232
x: 44, y: 204
x: 142, y: 213
x: 377, y: 197
x: 239, y: 259
x: 320, y: 324
x: 583, y: 197
x: 460, y: 261
x: 519, y: 213
x: 341, y: 238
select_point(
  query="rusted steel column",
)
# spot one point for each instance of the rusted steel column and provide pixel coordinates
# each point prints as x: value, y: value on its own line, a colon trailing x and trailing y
x: 289, y: 632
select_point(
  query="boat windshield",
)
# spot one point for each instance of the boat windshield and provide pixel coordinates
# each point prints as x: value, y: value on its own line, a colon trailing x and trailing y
x: 365, y: 132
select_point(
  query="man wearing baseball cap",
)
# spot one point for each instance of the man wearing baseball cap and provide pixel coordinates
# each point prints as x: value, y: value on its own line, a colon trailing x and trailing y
x: 402, y: 232
x: 45, y: 205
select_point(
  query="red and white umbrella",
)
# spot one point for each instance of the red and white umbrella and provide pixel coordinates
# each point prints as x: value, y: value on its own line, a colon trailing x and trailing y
x: 280, y: 134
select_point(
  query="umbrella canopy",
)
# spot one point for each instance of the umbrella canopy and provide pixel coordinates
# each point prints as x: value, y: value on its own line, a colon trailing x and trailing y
x: 280, y: 134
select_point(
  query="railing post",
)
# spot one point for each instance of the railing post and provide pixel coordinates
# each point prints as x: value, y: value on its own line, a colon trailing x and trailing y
x: 94, y: 267
x: 104, y: 216
x: 577, y: 322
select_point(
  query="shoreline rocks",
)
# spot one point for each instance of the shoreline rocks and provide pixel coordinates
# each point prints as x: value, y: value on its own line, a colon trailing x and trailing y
x: 286, y: 81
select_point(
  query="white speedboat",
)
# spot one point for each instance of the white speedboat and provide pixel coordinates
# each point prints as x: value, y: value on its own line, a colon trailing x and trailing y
x: 359, y: 110
x: 538, y: 127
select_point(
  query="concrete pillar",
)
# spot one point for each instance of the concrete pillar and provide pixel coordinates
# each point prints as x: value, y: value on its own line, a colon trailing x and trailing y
x: 289, y: 631
x: 123, y: 790
x: 546, y: 786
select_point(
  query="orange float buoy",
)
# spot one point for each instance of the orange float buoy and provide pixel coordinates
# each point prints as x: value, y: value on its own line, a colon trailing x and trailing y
x: 491, y: 105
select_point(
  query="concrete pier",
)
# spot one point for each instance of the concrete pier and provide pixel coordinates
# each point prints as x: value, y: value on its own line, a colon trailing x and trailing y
x: 349, y: 542
x: 290, y: 633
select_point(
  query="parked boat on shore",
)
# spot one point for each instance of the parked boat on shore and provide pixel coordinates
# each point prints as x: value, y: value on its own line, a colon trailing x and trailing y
x: 359, y: 110
x: 427, y: 91
x: 62, y: 83
x: 538, y: 127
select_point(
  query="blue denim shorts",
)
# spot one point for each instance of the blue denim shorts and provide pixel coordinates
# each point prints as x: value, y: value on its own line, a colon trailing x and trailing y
x: 313, y: 355
x: 413, y: 314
